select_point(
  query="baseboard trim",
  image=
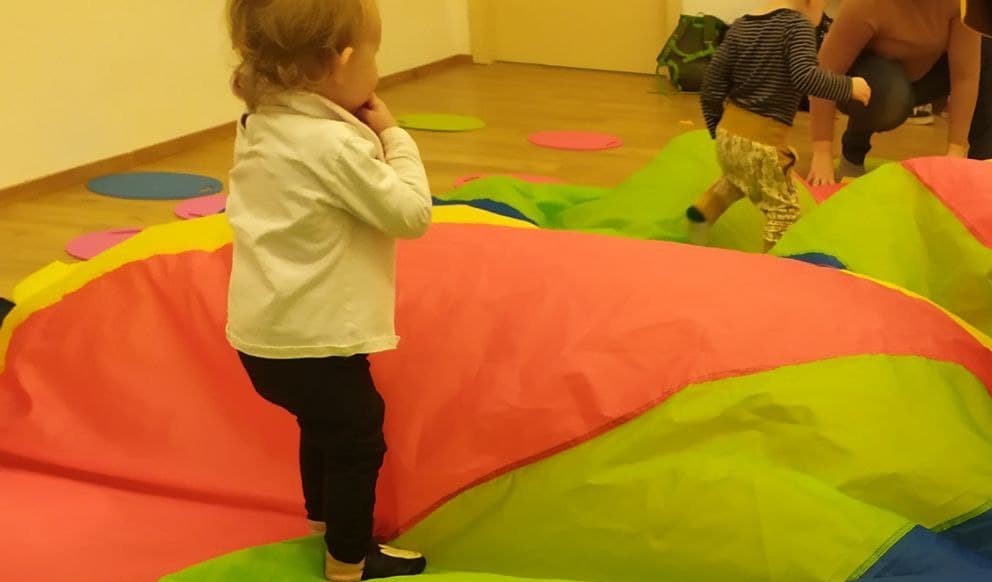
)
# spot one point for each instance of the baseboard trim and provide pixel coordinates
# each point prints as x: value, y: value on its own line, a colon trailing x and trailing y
x: 424, y: 71
x: 124, y: 162
x: 121, y: 163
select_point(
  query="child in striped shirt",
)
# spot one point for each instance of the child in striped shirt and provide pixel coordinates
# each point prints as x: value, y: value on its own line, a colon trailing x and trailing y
x: 750, y: 98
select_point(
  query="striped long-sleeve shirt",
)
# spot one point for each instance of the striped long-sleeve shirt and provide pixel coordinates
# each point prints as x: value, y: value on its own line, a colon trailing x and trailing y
x: 766, y: 64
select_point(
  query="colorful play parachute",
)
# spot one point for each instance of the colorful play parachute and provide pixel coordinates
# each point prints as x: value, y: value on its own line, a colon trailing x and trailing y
x: 650, y: 205
x: 924, y: 225
x: 564, y: 406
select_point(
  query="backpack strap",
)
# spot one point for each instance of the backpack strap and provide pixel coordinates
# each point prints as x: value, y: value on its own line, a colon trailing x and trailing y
x: 712, y: 31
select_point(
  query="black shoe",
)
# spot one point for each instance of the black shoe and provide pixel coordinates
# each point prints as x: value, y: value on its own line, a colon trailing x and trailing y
x: 386, y: 562
x: 6, y: 307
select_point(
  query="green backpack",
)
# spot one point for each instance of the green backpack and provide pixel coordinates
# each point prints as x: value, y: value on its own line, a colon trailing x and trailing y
x: 689, y: 50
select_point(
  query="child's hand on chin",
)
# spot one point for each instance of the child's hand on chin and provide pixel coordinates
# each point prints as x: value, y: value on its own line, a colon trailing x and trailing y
x: 376, y: 115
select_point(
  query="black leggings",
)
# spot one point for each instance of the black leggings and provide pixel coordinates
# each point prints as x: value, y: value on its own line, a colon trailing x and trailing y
x: 340, y: 414
x: 894, y: 97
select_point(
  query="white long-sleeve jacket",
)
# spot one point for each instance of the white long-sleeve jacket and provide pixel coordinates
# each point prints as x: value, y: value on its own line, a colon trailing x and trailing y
x: 317, y: 201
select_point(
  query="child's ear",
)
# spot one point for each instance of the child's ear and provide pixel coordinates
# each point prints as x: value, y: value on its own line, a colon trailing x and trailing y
x: 341, y: 61
x: 345, y: 56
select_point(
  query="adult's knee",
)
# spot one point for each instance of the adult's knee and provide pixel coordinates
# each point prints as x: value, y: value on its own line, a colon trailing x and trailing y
x: 891, y: 95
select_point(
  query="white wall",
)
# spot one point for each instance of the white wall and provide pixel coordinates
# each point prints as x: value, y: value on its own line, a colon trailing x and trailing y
x: 88, y: 80
x: 730, y: 10
x: 84, y: 81
x: 417, y: 32
x: 572, y: 33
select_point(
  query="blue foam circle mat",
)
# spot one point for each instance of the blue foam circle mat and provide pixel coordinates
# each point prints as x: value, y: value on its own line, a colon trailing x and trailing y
x: 155, y: 186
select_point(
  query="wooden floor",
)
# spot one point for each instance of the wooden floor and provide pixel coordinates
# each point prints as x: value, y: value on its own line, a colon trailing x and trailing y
x: 515, y: 100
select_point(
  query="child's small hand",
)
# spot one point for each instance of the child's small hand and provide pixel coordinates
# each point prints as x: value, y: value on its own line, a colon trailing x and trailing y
x: 376, y: 115
x: 862, y: 91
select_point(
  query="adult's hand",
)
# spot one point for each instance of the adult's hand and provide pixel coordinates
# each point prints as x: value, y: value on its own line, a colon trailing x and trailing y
x: 957, y: 151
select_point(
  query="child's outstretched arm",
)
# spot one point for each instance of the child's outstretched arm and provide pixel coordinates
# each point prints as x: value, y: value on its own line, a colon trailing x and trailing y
x: 807, y: 76
x: 716, y: 86
x: 392, y: 196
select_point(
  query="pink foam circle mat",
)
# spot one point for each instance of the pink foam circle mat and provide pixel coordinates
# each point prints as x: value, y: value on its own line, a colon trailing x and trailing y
x: 531, y: 178
x: 580, y: 141
x: 90, y: 245
x: 203, y: 206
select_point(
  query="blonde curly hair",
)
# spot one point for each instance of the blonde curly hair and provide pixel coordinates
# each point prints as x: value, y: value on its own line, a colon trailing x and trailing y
x: 287, y: 45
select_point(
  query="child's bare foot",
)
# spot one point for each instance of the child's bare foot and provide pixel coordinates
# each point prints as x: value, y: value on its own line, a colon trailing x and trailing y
x: 699, y: 229
x: 699, y: 234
